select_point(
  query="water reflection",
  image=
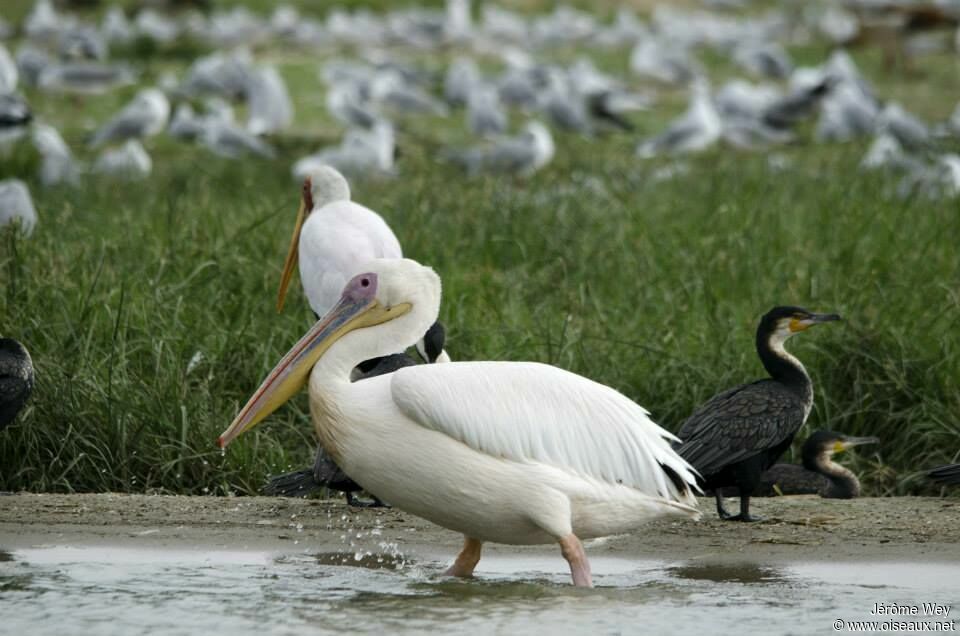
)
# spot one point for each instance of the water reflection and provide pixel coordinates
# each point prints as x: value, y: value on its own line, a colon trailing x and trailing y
x: 368, y: 560
x: 729, y: 573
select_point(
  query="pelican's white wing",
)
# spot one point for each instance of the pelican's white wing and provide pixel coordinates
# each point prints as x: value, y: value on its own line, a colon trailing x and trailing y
x: 531, y: 412
x: 335, y: 242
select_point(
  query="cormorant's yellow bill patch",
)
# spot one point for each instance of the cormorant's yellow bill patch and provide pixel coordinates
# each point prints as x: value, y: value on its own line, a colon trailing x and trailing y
x: 802, y: 322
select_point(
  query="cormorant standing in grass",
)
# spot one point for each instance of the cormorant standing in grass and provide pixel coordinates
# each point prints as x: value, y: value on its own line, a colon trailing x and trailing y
x: 325, y: 473
x: 948, y: 475
x: 819, y: 474
x: 738, y: 434
x: 16, y: 379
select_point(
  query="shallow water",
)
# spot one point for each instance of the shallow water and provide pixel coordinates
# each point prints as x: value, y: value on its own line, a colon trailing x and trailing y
x: 75, y: 590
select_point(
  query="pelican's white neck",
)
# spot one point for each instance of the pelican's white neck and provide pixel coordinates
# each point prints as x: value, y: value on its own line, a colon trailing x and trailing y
x: 404, y: 294
x: 372, y: 342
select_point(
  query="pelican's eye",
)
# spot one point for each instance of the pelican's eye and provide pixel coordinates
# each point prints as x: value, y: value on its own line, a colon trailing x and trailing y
x: 364, y: 282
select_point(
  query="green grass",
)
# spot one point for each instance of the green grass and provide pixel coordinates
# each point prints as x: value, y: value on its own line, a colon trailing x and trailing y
x: 148, y: 307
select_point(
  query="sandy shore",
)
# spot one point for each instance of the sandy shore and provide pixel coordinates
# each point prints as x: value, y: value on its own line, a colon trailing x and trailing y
x: 797, y: 528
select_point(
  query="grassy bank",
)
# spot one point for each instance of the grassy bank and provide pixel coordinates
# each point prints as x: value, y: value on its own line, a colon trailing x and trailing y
x: 148, y: 307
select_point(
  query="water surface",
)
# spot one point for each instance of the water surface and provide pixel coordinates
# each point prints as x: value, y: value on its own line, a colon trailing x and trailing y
x: 59, y: 590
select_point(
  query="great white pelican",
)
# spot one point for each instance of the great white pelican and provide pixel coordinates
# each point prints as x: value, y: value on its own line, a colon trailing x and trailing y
x: 508, y: 452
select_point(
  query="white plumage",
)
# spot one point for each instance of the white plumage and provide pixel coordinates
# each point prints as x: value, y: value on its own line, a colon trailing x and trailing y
x: 514, y: 453
x: 574, y: 423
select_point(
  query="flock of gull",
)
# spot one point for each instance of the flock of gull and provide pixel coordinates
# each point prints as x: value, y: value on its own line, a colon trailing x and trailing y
x: 510, y: 452
x: 498, y: 84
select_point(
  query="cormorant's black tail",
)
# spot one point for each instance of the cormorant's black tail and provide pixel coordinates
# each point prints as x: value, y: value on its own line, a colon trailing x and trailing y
x: 949, y: 474
x: 300, y: 483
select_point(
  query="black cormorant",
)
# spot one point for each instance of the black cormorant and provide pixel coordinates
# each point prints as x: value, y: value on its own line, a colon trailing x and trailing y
x: 949, y: 474
x: 16, y: 379
x: 738, y: 434
x: 819, y: 474
x: 325, y: 473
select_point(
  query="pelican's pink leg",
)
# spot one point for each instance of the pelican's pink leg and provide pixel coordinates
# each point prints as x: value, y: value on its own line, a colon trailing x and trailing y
x: 572, y: 551
x: 467, y: 559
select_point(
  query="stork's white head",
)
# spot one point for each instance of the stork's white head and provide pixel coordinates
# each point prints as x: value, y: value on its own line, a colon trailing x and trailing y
x: 327, y: 186
x: 323, y: 185
x: 383, y: 310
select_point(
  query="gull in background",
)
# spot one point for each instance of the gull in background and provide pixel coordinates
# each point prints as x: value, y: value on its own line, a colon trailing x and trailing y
x: 83, y: 42
x: 798, y: 105
x: 15, y: 117
x: 226, y: 139
x: 485, y: 114
x: 626, y: 30
x: 763, y: 59
x: 268, y: 102
x: 115, y: 27
x: 885, y: 152
x: 186, y: 124
x: 9, y: 75
x: 847, y: 112
x: 84, y: 78
x: 909, y: 130
x: 43, y: 24
x: 221, y: 74
x: 31, y: 61
x: 391, y: 91
x: 665, y: 62
x: 16, y: 206
x: 742, y: 106
x: 15, y: 114
x: 696, y: 130
x: 155, y: 26
x: 129, y: 161
x: 462, y: 77
x: 523, y: 154
x: 57, y: 165
x: 564, y: 104
x: 361, y: 152
x: 145, y: 116
x: 345, y: 102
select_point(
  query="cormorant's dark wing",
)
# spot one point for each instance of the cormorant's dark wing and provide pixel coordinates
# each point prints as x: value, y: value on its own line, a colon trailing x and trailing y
x: 738, y: 424
x: 14, y: 392
x: 382, y: 366
x: 790, y: 479
x: 949, y: 474
x: 326, y: 472
x: 301, y: 483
